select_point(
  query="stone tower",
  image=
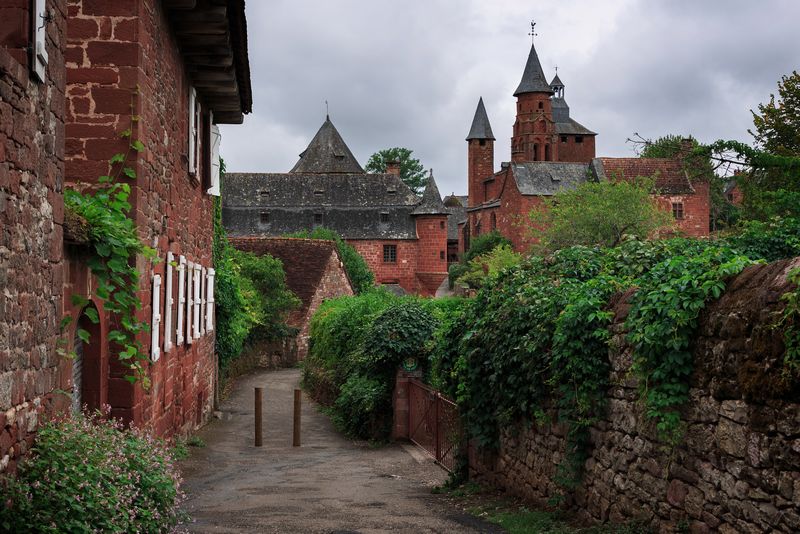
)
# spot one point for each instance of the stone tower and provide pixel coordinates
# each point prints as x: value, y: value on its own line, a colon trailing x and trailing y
x: 480, y: 165
x: 535, y: 137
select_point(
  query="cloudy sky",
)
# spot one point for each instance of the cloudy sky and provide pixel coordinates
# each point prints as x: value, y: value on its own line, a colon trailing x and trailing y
x: 410, y: 73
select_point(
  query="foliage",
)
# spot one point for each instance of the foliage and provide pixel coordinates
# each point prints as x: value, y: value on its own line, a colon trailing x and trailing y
x: 791, y: 325
x: 357, y: 269
x: 88, y: 474
x: 411, y: 170
x: 597, y: 213
x: 489, y: 264
x: 769, y: 240
x: 481, y: 244
x: 114, y: 245
x: 360, y: 410
x: 777, y: 123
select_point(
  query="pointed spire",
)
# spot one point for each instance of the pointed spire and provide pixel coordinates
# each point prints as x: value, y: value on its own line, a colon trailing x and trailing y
x: 556, y: 82
x: 431, y: 203
x: 327, y: 153
x: 533, y: 80
x: 481, y: 129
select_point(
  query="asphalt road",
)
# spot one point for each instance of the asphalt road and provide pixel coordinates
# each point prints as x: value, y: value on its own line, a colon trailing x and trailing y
x: 330, y: 484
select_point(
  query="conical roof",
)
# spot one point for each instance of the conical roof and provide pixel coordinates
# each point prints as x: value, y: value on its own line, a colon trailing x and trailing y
x: 533, y: 80
x: 327, y: 153
x: 431, y: 203
x: 481, y: 129
x: 556, y: 82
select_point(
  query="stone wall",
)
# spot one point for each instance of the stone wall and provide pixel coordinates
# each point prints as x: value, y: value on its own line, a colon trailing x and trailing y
x: 31, y: 219
x: 738, y: 466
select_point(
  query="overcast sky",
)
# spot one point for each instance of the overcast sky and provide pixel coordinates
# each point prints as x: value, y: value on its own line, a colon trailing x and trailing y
x: 410, y: 73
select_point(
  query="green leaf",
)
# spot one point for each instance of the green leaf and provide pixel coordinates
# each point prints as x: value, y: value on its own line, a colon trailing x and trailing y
x: 83, y: 335
x: 117, y: 158
x: 92, y: 314
x: 137, y: 145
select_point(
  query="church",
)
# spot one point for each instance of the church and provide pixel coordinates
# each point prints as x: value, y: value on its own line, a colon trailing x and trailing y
x: 402, y: 237
x: 551, y: 151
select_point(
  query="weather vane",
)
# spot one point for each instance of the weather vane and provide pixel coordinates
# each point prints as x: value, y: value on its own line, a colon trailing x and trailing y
x: 533, y: 31
x: 556, y: 69
x: 327, y: 112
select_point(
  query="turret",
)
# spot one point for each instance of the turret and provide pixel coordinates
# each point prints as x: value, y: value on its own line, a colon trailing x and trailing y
x: 480, y: 154
x: 534, y: 136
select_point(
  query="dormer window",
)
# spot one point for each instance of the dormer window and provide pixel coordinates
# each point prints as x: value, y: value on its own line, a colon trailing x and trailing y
x: 384, y: 218
x: 541, y: 105
x: 579, y: 139
x: 392, y: 191
x: 318, y: 219
x: 264, y: 217
x: 319, y: 192
x: 264, y: 194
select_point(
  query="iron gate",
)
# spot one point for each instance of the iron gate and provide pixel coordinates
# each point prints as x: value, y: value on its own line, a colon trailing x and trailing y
x: 433, y: 423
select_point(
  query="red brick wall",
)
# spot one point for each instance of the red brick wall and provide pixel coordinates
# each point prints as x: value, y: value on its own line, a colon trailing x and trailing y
x: 480, y: 165
x: 696, y: 210
x: 402, y: 272
x: 431, y: 252
x: 534, y: 126
x: 115, y: 48
x: 31, y: 218
x: 572, y: 151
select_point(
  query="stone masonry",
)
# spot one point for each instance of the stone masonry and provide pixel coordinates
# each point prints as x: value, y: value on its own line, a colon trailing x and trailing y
x: 738, y: 466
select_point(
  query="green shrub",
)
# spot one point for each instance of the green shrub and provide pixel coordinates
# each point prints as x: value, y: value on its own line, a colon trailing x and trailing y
x: 484, y: 243
x: 770, y: 240
x: 90, y: 475
x: 489, y: 264
x: 357, y: 269
x: 454, y: 272
x: 360, y: 409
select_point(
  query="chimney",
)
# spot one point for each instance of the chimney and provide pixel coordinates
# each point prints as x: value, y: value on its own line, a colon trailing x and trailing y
x: 393, y: 167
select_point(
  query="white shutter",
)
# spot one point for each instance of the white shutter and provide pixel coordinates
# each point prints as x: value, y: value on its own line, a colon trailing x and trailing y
x: 40, y: 20
x: 168, y: 304
x: 181, y: 298
x: 193, y: 127
x: 210, y: 300
x: 155, y: 349
x: 202, y: 318
x: 216, y: 140
x: 189, y: 301
x: 196, y: 318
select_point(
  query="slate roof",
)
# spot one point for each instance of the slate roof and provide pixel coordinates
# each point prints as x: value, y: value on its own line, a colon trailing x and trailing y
x: 556, y: 82
x: 560, y: 111
x: 570, y: 126
x: 431, y: 203
x: 304, y: 262
x: 533, y: 80
x: 670, y: 175
x: 456, y: 207
x: 546, y: 178
x: 481, y: 129
x: 327, y: 153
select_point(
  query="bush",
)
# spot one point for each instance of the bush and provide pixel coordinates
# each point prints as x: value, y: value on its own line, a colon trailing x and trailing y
x: 360, y: 408
x: 489, y: 264
x: 87, y: 474
x: 772, y: 240
x: 484, y: 243
x: 357, y: 269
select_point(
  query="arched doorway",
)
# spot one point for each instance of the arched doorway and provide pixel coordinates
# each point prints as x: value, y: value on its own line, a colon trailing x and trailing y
x: 86, y: 366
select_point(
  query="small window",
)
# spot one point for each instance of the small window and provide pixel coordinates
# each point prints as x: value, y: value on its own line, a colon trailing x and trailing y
x: 441, y: 225
x: 317, y: 218
x: 264, y: 193
x: 563, y: 138
x: 677, y: 210
x: 384, y: 217
x: 541, y: 105
x: 265, y: 217
x: 392, y: 191
x: 319, y: 193
x: 441, y: 254
x: 579, y: 139
x: 389, y: 253
x: 482, y: 142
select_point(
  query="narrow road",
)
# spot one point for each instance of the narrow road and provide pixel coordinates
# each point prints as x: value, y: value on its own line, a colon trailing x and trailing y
x: 329, y: 485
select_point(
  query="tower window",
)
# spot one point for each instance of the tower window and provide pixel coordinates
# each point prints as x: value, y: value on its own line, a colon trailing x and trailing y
x: 264, y: 194
x: 318, y: 192
x: 482, y: 142
x: 389, y: 253
x: 677, y: 210
x: 384, y: 217
x: 441, y: 254
x: 264, y: 217
x: 563, y: 138
x: 317, y: 218
x: 541, y: 105
x: 579, y: 139
x: 441, y: 225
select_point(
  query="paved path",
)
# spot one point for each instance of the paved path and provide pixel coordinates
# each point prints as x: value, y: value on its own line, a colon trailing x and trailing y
x: 330, y: 484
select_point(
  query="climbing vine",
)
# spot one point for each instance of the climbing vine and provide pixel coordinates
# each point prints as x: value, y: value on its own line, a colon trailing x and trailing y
x: 791, y: 324
x: 113, y: 244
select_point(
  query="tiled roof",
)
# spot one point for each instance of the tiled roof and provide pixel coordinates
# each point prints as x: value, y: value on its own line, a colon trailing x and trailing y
x: 546, y: 178
x: 670, y: 176
x: 456, y: 207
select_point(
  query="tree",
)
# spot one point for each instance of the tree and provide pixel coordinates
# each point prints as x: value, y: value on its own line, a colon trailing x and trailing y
x: 598, y: 213
x: 411, y: 170
x: 777, y: 125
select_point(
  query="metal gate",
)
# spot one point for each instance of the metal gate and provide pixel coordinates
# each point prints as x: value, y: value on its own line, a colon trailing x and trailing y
x: 434, y: 424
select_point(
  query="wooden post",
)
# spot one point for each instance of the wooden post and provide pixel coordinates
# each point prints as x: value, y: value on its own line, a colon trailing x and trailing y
x: 298, y: 400
x: 258, y: 398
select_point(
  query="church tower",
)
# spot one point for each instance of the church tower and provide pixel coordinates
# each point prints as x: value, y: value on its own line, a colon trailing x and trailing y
x: 480, y: 150
x: 535, y: 137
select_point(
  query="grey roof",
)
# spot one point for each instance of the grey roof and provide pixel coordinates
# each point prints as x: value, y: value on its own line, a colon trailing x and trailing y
x: 327, y: 153
x: 546, y: 178
x: 533, y: 80
x: 571, y: 127
x: 481, y: 129
x: 356, y: 205
x: 456, y: 214
x: 556, y: 82
x: 431, y: 203
x: 560, y: 110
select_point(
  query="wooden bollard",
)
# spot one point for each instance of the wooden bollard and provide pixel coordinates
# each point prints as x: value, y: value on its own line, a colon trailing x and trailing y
x: 258, y: 398
x: 298, y: 400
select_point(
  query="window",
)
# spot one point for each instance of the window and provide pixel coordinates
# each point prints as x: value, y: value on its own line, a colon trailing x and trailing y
x: 181, y: 299
x: 392, y: 191
x: 155, y: 325
x: 264, y: 217
x: 210, y: 300
x: 441, y: 225
x: 189, y: 301
x: 384, y: 217
x: 317, y: 218
x: 214, y: 143
x: 40, y: 19
x: 563, y: 138
x: 541, y: 105
x: 389, y: 253
x: 194, y: 128
x: 318, y: 192
x: 441, y: 254
x: 197, y: 300
x: 168, y: 304
x: 579, y: 139
x: 494, y: 221
x: 677, y: 210
x: 482, y: 142
x: 264, y: 194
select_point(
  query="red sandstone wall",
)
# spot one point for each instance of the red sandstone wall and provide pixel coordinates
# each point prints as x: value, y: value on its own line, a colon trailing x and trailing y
x: 31, y: 218
x: 431, y: 253
x: 402, y: 272
x: 696, y: 209
x: 577, y: 152
x: 115, y: 47
x: 480, y: 165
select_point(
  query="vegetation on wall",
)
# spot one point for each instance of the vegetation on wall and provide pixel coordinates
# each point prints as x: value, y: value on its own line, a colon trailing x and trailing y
x: 357, y: 269
x: 113, y: 244
x: 411, y: 170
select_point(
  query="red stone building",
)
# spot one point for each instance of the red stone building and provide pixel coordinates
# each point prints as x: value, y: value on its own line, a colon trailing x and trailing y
x: 550, y: 151
x: 402, y: 237
x: 73, y: 76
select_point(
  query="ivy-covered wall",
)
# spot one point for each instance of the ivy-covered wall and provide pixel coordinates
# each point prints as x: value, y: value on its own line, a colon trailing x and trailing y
x: 737, y: 467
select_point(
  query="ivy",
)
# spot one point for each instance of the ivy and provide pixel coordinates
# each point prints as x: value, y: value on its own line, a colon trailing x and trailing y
x: 113, y: 246
x: 791, y: 323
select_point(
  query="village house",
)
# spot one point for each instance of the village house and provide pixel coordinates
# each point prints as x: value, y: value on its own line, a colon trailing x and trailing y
x: 550, y: 151
x: 74, y: 75
x: 402, y: 237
